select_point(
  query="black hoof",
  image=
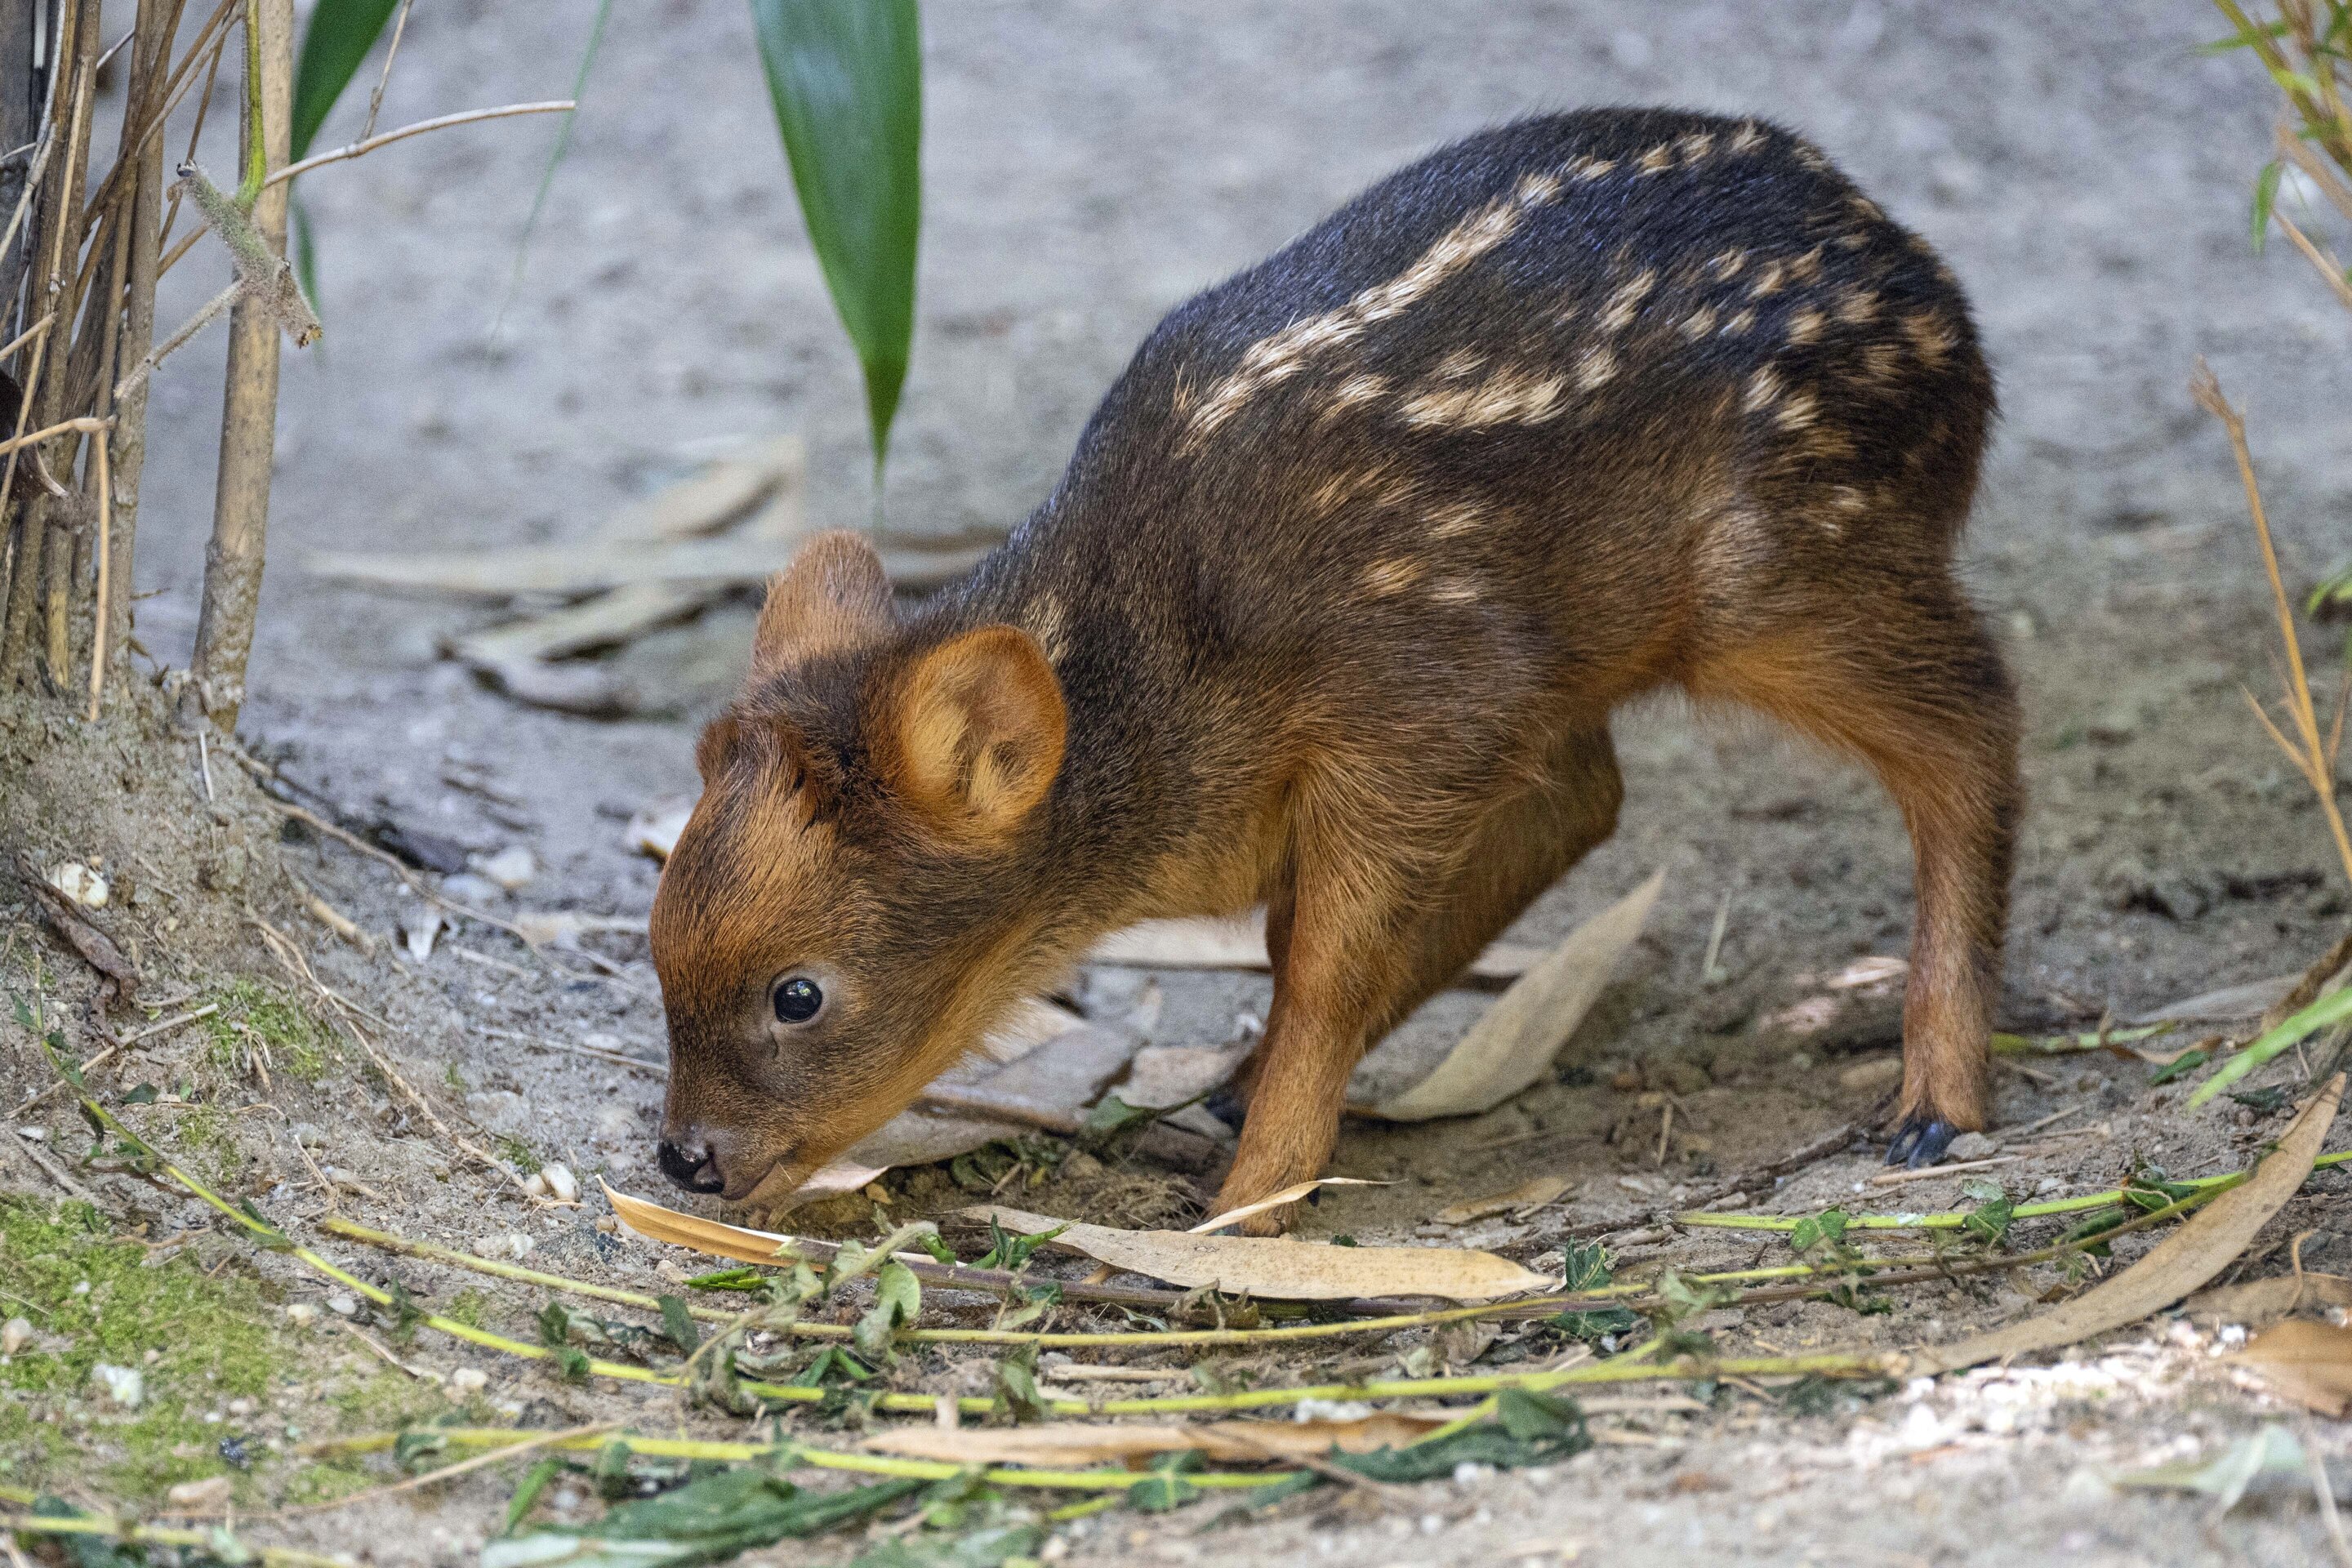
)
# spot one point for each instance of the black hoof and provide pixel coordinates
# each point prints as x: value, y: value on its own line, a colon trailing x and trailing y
x: 1918, y: 1143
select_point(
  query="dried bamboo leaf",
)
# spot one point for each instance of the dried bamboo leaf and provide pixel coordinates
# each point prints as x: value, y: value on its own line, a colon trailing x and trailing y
x: 1282, y: 1268
x: 1206, y: 944
x: 2306, y: 1361
x: 2258, y: 1303
x: 1221, y: 1441
x: 1527, y: 1195
x: 2203, y: 1247
x: 1289, y: 1195
x: 1513, y: 1043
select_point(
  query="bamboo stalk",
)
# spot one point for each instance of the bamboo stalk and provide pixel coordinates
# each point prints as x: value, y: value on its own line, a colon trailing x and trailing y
x: 129, y: 438
x: 61, y: 197
x: 233, y: 560
x: 105, y: 582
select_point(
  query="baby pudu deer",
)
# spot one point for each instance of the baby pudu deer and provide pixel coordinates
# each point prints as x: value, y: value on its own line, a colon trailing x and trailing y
x: 1330, y: 614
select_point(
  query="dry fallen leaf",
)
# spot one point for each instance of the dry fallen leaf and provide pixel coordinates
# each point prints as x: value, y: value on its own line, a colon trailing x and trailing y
x: 2208, y: 1242
x: 1281, y: 1268
x: 1223, y: 1442
x: 713, y: 1238
x: 2258, y: 1303
x: 1289, y: 1195
x: 1208, y: 944
x: 2306, y: 1361
x: 655, y: 828
x: 1513, y: 1043
x: 1527, y: 1194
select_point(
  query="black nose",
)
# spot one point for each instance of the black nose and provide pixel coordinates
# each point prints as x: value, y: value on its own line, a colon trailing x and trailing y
x: 693, y: 1169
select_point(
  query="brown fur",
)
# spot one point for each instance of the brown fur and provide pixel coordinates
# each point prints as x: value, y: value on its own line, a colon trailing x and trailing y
x: 1330, y: 615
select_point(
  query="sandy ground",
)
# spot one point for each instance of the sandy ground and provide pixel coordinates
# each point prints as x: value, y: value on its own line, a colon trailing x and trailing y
x: 1087, y: 165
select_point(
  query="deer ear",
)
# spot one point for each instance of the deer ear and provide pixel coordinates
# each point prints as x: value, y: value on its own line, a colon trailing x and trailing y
x: 833, y: 595
x: 975, y: 733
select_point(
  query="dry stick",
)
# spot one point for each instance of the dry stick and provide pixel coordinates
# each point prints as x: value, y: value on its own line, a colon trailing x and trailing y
x: 56, y: 397
x: 466, y: 117
x: 57, y: 199
x: 213, y: 33
x: 2311, y: 758
x: 232, y: 561
x: 2317, y: 255
x: 105, y: 582
x: 196, y: 137
x: 32, y: 184
x: 28, y: 334
x: 136, y: 382
x: 391, y: 53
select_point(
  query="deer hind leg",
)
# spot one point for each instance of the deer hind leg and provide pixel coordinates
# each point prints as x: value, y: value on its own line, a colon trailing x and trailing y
x: 1350, y: 962
x: 1920, y: 695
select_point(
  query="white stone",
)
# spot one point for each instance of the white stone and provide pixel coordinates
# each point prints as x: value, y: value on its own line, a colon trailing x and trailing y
x: 510, y: 867
x: 468, y: 1380
x: 126, y: 1385
x: 80, y: 883
x: 201, y: 1497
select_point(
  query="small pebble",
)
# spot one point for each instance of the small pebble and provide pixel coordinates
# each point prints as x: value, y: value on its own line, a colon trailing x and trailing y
x: 510, y: 867
x: 562, y: 1184
x: 1972, y: 1146
x: 199, y: 1496
x: 468, y: 1380
x: 301, y: 1314
x: 124, y: 1385
x: 15, y: 1335
x: 242, y: 1407
x: 343, y: 1306
x: 80, y: 883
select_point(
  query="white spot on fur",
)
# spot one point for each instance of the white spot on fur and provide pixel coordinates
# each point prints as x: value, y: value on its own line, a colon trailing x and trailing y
x: 1763, y: 389
x: 1698, y: 323
x: 1594, y: 367
x: 1656, y: 161
x: 1506, y: 397
x: 1455, y: 519
x: 1384, y: 579
x: 1805, y: 325
x: 1748, y: 138
x: 1618, y: 314
x: 1454, y: 591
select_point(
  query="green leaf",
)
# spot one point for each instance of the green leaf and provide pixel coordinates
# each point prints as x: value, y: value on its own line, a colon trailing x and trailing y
x: 846, y: 81
x: 2332, y: 1008
x: 334, y: 46
x: 535, y: 1482
x: 728, y: 1279
x: 1012, y: 1253
x: 833, y: 1368
x: 1828, y: 1225
x: 680, y: 1325
x: 703, y: 1522
x: 1527, y: 1429
x: 898, y: 1301
x: 1016, y: 1386
x: 2266, y: 184
x: 939, y: 1250
x: 2182, y: 1066
x: 1584, y: 1266
x: 1109, y: 1116
x: 145, y: 1094
x: 983, y: 1548
x: 1163, y: 1486
x: 1594, y: 1324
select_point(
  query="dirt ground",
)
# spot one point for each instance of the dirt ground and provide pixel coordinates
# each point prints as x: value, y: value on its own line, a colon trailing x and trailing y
x: 2086, y: 171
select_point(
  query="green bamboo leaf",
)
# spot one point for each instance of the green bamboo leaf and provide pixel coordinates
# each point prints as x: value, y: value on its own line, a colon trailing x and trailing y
x: 338, y: 38
x: 847, y: 78
x: 2332, y: 1008
x: 2266, y: 184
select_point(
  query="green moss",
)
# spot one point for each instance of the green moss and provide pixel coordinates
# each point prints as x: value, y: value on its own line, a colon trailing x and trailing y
x: 203, y: 1135
x: 517, y: 1152
x: 255, y: 1014
x: 388, y: 1400
x: 468, y: 1306
x: 95, y: 1299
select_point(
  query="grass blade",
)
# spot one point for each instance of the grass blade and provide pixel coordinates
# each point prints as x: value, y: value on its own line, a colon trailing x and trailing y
x: 2332, y: 1008
x: 846, y: 78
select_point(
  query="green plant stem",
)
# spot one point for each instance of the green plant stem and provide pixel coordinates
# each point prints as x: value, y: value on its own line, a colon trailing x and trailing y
x: 2075, y: 1044
x: 1127, y: 1340
x: 2332, y: 1008
x: 124, y: 1530
x: 1954, y: 1219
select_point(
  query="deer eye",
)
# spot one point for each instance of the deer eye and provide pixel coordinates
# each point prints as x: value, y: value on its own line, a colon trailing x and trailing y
x: 797, y: 999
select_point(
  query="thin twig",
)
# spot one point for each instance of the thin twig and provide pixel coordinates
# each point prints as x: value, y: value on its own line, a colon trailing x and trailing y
x: 376, y: 99
x: 105, y: 570
x: 2310, y: 757
x: 32, y: 184
x: 360, y: 148
x: 2317, y: 255
x: 179, y: 338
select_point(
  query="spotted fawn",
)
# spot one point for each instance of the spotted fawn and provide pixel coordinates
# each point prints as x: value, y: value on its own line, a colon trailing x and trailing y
x: 1330, y: 614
